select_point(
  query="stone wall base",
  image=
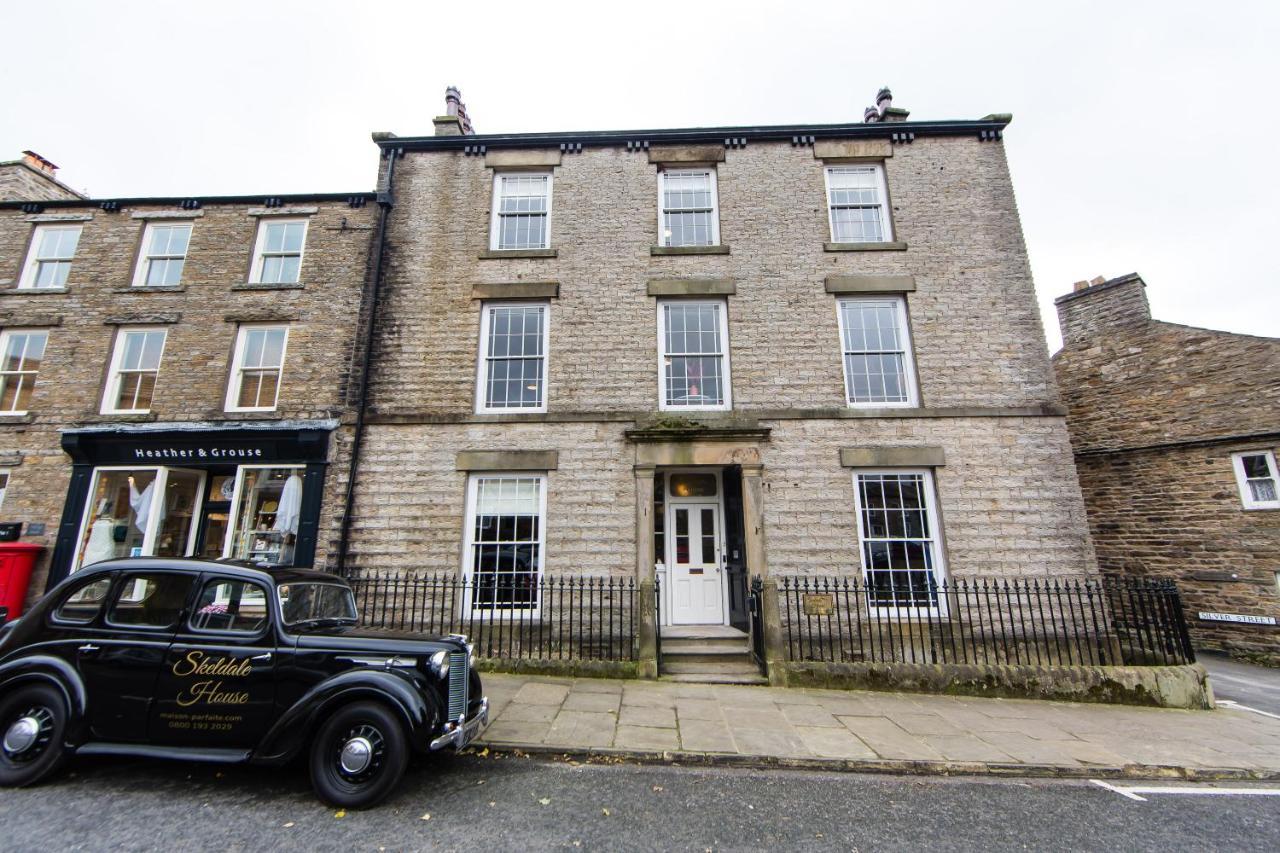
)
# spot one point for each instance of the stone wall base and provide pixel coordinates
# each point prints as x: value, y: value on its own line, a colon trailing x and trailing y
x: 1159, y: 686
x: 566, y: 668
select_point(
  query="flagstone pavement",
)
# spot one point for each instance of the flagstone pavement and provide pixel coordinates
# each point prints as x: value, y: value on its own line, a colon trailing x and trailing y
x: 866, y: 729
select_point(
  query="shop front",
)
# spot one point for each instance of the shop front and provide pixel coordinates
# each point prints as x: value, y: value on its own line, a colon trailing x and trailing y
x: 244, y: 493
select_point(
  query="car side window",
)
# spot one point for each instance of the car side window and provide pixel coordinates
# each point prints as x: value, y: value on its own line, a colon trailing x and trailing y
x: 84, y: 603
x: 150, y: 600
x: 230, y: 605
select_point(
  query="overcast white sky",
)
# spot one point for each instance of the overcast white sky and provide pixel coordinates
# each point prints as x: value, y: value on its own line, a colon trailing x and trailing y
x: 1142, y: 140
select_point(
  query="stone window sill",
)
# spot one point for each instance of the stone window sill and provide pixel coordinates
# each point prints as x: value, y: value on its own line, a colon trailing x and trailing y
x: 108, y: 418
x: 33, y: 291
x: 492, y: 254
x: 153, y: 288
x: 16, y: 420
x: 689, y: 250
x: 251, y: 285
x: 864, y: 247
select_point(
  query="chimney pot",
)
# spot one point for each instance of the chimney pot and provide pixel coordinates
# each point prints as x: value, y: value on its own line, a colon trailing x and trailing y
x: 884, y: 99
x: 1080, y: 285
x: 35, y: 161
x: 1100, y: 279
x: 870, y: 115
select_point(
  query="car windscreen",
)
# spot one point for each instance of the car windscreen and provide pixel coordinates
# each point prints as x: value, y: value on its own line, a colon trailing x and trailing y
x: 308, y: 601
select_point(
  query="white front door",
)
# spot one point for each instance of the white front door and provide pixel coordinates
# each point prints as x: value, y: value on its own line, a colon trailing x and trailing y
x: 696, y: 576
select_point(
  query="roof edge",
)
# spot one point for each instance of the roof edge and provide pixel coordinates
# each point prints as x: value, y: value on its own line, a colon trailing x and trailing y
x: 885, y: 130
x: 256, y: 198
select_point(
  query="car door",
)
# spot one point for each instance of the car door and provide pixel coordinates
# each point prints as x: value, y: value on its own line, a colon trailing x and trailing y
x: 120, y: 661
x: 217, y: 688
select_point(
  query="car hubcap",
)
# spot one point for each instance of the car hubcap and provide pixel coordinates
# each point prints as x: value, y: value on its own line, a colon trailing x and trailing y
x: 27, y: 736
x: 360, y: 753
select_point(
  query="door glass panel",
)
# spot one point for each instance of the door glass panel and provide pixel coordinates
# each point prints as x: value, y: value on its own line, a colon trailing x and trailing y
x: 215, y: 534
x: 267, y: 515
x: 177, y: 513
x: 231, y: 605
x: 708, y: 536
x: 682, y: 537
x: 119, y: 507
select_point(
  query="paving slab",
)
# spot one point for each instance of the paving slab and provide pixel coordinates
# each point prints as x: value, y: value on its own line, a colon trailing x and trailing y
x: 863, y: 730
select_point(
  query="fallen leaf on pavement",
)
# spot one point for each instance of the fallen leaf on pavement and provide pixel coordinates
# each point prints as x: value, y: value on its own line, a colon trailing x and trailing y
x: 657, y: 788
x: 289, y: 825
x: 605, y: 812
x: 483, y: 753
x: 426, y: 816
x: 340, y: 814
x: 546, y: 801
x: 492, y: 804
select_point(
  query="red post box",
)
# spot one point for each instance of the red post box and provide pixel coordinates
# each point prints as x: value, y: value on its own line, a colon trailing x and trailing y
x: 17, y: 559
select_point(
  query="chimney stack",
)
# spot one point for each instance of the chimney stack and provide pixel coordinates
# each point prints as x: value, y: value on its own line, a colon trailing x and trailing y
x: 1099, y: 306
x: 35, y: 161
x: 884, y: 110
x: 455, y: 121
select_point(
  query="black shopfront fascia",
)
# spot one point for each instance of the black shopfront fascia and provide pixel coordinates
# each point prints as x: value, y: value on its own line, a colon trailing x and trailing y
x: 191, y: 449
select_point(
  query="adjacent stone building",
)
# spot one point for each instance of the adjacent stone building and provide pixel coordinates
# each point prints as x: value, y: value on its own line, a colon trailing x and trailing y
x: 177, y: 372
x: 701, y: 355
x: 1175, y: 431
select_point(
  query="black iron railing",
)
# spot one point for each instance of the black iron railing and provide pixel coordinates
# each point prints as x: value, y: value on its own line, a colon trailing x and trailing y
x: 755, y: 611
x: 985, y: 621
x: 509, y: 616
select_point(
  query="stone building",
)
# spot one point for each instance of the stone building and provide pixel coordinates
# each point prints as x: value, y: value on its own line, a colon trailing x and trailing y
x: 700, y: 355
x: 176, y: 373
x: 1175, y: 431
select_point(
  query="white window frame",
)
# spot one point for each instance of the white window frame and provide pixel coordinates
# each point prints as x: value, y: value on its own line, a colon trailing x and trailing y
x: 663, y: 239
x: 1242, y: 482
x: 482, y: 361
x: 143, y: 268
x: 5, y: 335
x: 663, y: 406
x: 153, y: 518
x: 5, y: 474
x: 882, y: 188
x: 111, y: 392
x: 468, y: 543
x: 260, y: 241
x: 495, y: 219
x: 908, y: 358
x: 237, y: 368
x: 935, y: 539
x: 28, y: 279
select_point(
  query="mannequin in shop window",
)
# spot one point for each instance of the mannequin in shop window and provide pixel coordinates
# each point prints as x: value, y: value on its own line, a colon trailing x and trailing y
x: 101, y: 544
x: 287, y: 516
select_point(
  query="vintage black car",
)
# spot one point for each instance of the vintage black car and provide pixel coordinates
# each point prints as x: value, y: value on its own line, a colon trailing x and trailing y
x: 224, y: 662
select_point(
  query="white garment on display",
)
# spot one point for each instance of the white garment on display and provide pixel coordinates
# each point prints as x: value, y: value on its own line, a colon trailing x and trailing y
x: 290, y: 505
x: 101, y: 545
x: 141, y: 504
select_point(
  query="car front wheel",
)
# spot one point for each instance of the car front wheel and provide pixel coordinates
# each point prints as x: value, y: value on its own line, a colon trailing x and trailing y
x: 33, y: 726
x: 358, y: 756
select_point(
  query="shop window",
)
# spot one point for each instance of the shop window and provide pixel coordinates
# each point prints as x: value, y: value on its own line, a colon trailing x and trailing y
x: 257, y: 366
x: 53, y: 248
x: 150, y: 600
x: 505, y: 536
x: 164, y: 254
x: 135, y: 512
x: 21, y: 353
x: 277, y: 254
x: 84, y: 603
x: 897, y: 528
x: 135, y: 367
x: 265, y: 514
x: 230, y: 605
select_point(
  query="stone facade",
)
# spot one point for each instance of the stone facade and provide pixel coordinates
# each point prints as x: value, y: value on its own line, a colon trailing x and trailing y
x: 1008, y: 494
x: 201, y: 316
x: 1156, y: 411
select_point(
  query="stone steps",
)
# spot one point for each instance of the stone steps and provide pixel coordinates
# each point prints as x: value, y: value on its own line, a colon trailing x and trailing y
x: 700, y: 678
x: 708, y: 654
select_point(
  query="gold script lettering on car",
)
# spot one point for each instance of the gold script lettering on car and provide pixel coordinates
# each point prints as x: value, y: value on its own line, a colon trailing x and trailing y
x: 195, y: 663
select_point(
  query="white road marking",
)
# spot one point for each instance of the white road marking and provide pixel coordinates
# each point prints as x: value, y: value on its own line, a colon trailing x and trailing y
x: 1132, y: 791
x: 1236, y: 706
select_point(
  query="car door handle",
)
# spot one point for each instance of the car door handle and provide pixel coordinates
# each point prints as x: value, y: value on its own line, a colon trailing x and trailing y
x: 87, y: 649
x: 263, y: 657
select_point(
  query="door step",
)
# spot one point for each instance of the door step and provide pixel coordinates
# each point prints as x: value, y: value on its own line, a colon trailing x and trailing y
x: 700, y: 678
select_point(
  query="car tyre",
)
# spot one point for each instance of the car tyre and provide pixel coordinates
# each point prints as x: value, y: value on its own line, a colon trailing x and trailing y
x: 358, y: 756
x: 33, y: 728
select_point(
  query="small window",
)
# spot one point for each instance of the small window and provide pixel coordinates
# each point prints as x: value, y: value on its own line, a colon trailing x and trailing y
x: 135, y: 366
x: 257, y: 368
x: 856, y: 204
x: 877, y: 352
x: 521, y: 211
x: 1257, y: 479
x: 230, y: 605
x: 505, y: 538
x: 277, y: 256
x: 150, y: 600
x: 693, y: 355
x: 897, y: 528
x: 688, y: 208
x: 21, y: 352
x: 53, y: 248
x: 164, y: 253
x: 4, y: 487
x: 513, y: 361
x: 84, y: 603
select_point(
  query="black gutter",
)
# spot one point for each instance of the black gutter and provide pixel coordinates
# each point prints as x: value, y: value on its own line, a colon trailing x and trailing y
x: 200, y: 199
x: 881, y: 130
x: 386, y: 203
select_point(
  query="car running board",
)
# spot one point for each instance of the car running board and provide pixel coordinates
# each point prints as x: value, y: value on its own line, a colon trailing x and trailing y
x: 181, y: 753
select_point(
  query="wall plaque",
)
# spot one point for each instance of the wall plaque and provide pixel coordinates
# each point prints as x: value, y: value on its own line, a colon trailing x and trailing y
x: 819, y: 604
x: 1238, y: 617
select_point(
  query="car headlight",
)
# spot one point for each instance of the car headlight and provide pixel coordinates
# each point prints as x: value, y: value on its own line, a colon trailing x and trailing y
x: 439, y: 664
